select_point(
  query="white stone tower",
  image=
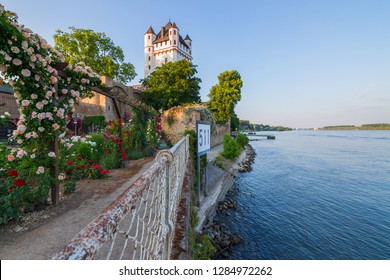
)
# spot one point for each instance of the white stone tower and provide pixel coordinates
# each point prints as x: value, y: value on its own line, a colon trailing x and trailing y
x: 166, y: 46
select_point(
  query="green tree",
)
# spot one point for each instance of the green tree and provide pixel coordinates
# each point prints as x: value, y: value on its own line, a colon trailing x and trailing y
x: 96, y: 50
x: 225, y: 95
x: 234, y: 122
x: 172, y: 84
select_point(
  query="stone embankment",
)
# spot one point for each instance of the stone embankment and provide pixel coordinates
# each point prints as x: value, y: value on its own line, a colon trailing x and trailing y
x: 246, y: 164
x: 221, y: 237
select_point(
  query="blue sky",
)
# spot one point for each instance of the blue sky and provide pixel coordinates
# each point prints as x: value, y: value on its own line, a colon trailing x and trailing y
x: 303, y: 63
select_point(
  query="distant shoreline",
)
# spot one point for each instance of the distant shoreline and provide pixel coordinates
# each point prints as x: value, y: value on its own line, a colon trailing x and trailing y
x: 362, y: 127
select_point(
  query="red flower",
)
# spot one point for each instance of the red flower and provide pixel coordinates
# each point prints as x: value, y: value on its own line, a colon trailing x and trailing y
x: 119, y: 121
x: 79, y: 158
x: 19, y: 182
x: 105, y: 171
x: 69, y: 162
x: 13, y: 173
x: 128, y: 142
x: 107, y: 152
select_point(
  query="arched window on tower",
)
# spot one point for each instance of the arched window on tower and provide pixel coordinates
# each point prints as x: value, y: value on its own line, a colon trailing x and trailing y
x: 174, y: 32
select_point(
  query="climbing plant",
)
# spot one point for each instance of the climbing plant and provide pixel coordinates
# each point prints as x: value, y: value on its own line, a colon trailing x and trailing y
x: 46, y: 89
x: 45, y: 97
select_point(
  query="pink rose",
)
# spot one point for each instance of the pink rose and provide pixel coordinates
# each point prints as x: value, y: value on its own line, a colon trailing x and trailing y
x: 26, y: 73
x: 25, y: 103
x: 49, y: 93
x: 16, y: 61
x: 55, y: 126
x: 53, y: 79
x: 64, y: 91
x: 41, y: 116
x: 40, y: 170
x: 39, y: 105
x: 7, y: 57
x: 20, y: 153
x: 10, y: 157
x: 52, y: 154
x: 15, y: 49
x: 21, y: 129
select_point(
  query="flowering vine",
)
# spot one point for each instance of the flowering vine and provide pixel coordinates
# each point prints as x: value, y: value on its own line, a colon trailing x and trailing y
x: 46, y: 88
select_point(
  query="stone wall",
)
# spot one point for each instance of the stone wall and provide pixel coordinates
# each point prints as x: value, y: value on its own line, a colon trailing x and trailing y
x: 177, y: 120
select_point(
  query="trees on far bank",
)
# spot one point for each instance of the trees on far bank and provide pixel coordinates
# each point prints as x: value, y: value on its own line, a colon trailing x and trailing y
x: 172, y: 84
x: 96, y: 50
x: 225, y: 95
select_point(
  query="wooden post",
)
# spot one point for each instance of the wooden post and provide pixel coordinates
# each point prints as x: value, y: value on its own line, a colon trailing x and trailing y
x: 54, y: 170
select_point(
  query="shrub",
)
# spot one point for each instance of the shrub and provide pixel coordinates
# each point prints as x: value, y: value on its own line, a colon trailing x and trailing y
x: 135, y: 155
x: 230, y: 147
x: 149, y: 151
x: 242, y: 140
x: 110, y: 161
x: 24, y: 185
x: 98, y: 121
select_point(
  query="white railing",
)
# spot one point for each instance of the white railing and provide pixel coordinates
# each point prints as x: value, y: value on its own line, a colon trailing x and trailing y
x: 140, y: 224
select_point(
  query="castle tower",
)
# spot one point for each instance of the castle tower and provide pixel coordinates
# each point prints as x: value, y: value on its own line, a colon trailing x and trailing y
x: 165, y: 46
x: 149, y: 37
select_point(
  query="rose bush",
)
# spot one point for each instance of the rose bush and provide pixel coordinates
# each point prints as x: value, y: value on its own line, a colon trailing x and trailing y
x: 46, y: 89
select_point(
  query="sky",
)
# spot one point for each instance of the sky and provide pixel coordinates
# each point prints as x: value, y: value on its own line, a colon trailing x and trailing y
x: 304, y: 64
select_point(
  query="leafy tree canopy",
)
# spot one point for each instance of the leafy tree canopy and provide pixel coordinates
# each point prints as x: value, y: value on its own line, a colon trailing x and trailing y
x: 172, y: 84
x: 225, y: 95
x: 96, y: 50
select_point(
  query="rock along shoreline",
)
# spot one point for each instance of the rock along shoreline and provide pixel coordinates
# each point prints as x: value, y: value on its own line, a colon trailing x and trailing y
x: 221, y: 237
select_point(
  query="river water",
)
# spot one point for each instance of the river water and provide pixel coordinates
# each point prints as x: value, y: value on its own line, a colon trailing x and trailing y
x: 315, y: 195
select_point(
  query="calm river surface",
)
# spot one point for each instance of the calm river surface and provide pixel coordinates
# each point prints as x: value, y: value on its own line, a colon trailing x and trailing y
x: 315, y: 195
